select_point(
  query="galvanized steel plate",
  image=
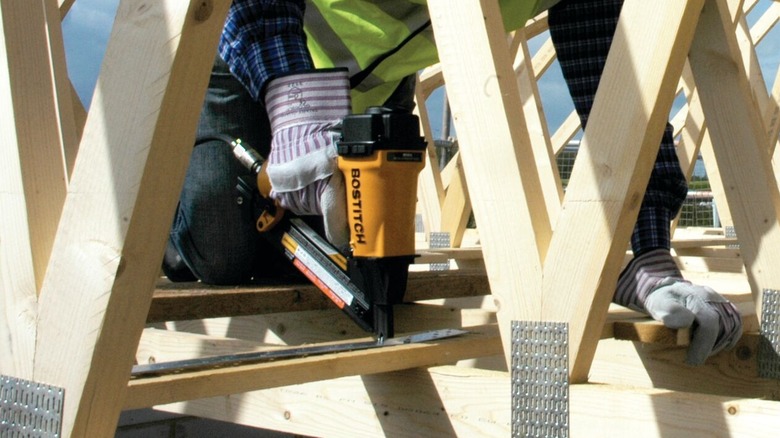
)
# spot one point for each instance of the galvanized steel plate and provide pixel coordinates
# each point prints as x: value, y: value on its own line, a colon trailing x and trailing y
x: 540, y: 379
x: 769, y: 346
x: 439, y: 239
x: 29, y: 409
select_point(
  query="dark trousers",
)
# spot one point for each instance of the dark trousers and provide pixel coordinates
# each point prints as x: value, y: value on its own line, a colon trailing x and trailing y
x: 582, y: 32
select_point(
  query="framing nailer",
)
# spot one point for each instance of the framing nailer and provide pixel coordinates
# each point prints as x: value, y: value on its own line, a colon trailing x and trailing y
x: 380, y: 154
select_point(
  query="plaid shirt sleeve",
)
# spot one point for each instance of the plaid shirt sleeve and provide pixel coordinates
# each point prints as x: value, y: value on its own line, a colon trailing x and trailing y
x: 262, y: 39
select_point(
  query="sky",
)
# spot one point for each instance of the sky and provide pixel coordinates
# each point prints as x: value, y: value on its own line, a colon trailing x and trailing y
x: 87, y: 27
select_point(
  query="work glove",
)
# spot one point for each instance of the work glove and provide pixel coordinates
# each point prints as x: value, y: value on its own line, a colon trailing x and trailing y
x: 304, y: 109
x: 652, y: 284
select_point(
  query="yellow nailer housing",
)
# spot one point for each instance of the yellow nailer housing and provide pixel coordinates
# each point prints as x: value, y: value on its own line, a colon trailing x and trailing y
x: 381, y: 154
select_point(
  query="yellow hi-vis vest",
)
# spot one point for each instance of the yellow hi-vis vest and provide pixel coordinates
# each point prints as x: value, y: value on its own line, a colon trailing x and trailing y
x: 383, y: 41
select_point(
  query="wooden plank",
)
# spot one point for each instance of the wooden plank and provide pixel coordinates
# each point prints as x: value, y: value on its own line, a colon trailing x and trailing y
x: 64, y: 6
x: 543, y: 58
x: 701, y: 242
x: 446, y: 402
x: 430, y: 79
x: 315, y: 326
x: 67, y: 109
x: 608, y: 180
x: 733, y: 373
x: 80, y: 119
x: 484, y: 341
x: 35, y: 120
x: 714, y: 178
x: 647, y: 331
x: 504, y: 185
x: 740, y: 31
x: 182, y: 301
x: 560, y: 139
x: 219, y: 336
x: 706, y: 251
x: 693, y: 129
x: 692, y: 132
x: 437, y: 255
x: 772, y: 118
x: 536, y: 25
x: 612, y: 410
x: 747, y: 5
x: 32, y: 185
x: 453, y: 401
x: 158, y: 346
x: 197, y: 338
x: 19, y: 293
x: 449, y: 170
x: 714, y: 264
x: 765, y: 23
x: 120, y: 204
x: 726, y: 283
x: 430, y: 191
x: 740, y: 146
x: 536, y: 122
x: 456, y: 209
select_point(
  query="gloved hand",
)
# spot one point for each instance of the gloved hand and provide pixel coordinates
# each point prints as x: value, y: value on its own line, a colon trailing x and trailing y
x: 716, y: 323
x: 303, y: 109
x: 653, y: 284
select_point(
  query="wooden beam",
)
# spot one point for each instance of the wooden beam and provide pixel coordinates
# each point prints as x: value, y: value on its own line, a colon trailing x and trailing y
x: 32, y: 118
x: 560, y: 139
x: 765, y: 23
x: 536, y: 25
x: 711, y: 264
x: 740, y: 32
x: 33, y: 183
x: 693, y: 128
x: 537, y: 128
x: 740, y: 146
x: 64, y: 6
x: 685, y: 243
x: 692, y: 133
x: 772, y: 118
x: 120, y: 204
x: 308, y: 326
x: 661, y: 413
x: 647, y: 331
x: 67, y: 109
x: 543, y: 58
x: 430, y: 190
x: 456, y: 210
x: 610, y: 176
x: 430, y: 79
x: 732, y: 373
x: 182, y: 301
x: 314, y: 326
x: 144, y: 392
x: 436, y: 402
x: 454, y: 401
x: 439, y: 255
x: 218, y: 336
x: 157, y: 346
x: 715, y: 180
x: 504, y: 184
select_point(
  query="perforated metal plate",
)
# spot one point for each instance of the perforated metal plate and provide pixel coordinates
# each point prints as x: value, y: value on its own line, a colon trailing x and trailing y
x: 540, y: 379
x: 29, y: 409
x: 439, y: 240
x: 769, y: 346
x: 731, y: 232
